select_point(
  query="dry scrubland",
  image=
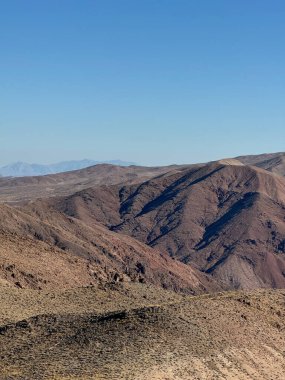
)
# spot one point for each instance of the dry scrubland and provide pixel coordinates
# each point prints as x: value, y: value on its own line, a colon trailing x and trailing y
x: 136, y: 332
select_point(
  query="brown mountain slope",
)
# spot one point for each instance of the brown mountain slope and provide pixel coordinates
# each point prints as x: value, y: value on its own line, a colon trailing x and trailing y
x: 225, y: 337
x: 227, y: 220
x: 26, y: 188
x: 273, y: 162
x: 50, y: 250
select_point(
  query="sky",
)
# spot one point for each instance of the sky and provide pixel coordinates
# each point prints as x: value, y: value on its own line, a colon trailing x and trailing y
x: 150, y: 81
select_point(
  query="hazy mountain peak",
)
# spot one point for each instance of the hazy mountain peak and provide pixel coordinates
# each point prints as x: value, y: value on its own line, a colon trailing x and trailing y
x: 23, y: 169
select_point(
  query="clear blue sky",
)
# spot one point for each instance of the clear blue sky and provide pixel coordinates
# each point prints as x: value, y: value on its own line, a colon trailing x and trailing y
x: 150, y: 81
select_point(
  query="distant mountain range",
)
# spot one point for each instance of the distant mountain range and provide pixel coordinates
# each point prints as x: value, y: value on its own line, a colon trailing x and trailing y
x: 23, y: 169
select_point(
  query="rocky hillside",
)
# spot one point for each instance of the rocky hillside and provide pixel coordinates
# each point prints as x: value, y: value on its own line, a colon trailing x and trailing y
x: 225, y: 219
x: 49, y: 250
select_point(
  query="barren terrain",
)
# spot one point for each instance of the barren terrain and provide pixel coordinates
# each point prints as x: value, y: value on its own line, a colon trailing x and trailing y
x: 134, y: 273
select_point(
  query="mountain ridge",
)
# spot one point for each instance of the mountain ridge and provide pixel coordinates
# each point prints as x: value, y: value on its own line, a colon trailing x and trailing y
x: 226, y: 220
